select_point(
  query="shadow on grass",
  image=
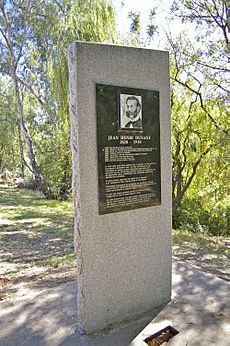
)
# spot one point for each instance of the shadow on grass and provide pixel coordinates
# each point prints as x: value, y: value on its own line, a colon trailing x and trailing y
x: 11, y: 196
x: 27, y: 243
x: 207, y: 253
x: 35, y: 232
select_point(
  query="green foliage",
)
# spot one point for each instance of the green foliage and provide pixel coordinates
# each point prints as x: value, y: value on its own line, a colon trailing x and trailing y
x: 135, y: 26
x: 151, y: 26
x: 135, y: 37
x: 86, y: 21
x: 197, y: 216
x: 9, y: 155
x: 199, y: 102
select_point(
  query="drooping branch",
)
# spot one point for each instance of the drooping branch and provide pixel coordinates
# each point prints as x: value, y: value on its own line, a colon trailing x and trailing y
x: 185, y: 84
x: 211, y: 66
x: 218, y: 19
x: 194, y: 168
x: 221, y: 87
x: 210, y: 116
x: 203, y: 11
x: 198, y: 93
x: 182, y: 190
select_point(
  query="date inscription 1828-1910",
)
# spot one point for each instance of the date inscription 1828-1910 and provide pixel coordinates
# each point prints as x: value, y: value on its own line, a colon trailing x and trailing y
x: 128, y: 140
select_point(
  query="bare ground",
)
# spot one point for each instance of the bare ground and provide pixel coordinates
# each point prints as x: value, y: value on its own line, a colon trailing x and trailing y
x: 209, y: 254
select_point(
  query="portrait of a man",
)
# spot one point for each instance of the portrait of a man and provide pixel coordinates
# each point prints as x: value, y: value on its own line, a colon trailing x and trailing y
x: 130, y: 111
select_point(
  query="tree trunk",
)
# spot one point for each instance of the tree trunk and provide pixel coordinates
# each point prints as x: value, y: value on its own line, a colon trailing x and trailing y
x: 22, y: 160
x: 40, y: 184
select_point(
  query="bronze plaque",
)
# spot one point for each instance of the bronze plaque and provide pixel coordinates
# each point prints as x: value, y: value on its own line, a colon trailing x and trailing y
x: 128, y: 140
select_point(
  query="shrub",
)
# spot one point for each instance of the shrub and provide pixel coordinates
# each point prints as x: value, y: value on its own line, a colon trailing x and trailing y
x: 196, y: 217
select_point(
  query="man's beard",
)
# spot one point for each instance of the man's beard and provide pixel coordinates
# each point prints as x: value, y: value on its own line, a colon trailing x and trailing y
x: 131, y: 115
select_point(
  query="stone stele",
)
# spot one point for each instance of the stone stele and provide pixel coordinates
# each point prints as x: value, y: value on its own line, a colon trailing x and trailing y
x: 123, y: 258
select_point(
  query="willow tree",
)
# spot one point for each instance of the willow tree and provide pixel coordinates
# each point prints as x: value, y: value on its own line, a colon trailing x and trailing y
x: 91, y: 20
x: 199, y: 101
x: 35, y: 38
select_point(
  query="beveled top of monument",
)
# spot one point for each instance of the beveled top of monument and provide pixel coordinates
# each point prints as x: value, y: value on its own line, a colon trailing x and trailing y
x: 116, y: 45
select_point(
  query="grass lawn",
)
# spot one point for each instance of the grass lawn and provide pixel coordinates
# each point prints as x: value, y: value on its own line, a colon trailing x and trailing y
x: 36, y: 244
x: 36, y: 240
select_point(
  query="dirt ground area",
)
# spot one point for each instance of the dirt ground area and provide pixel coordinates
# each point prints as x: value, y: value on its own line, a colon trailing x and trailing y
x: 209, y: 254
